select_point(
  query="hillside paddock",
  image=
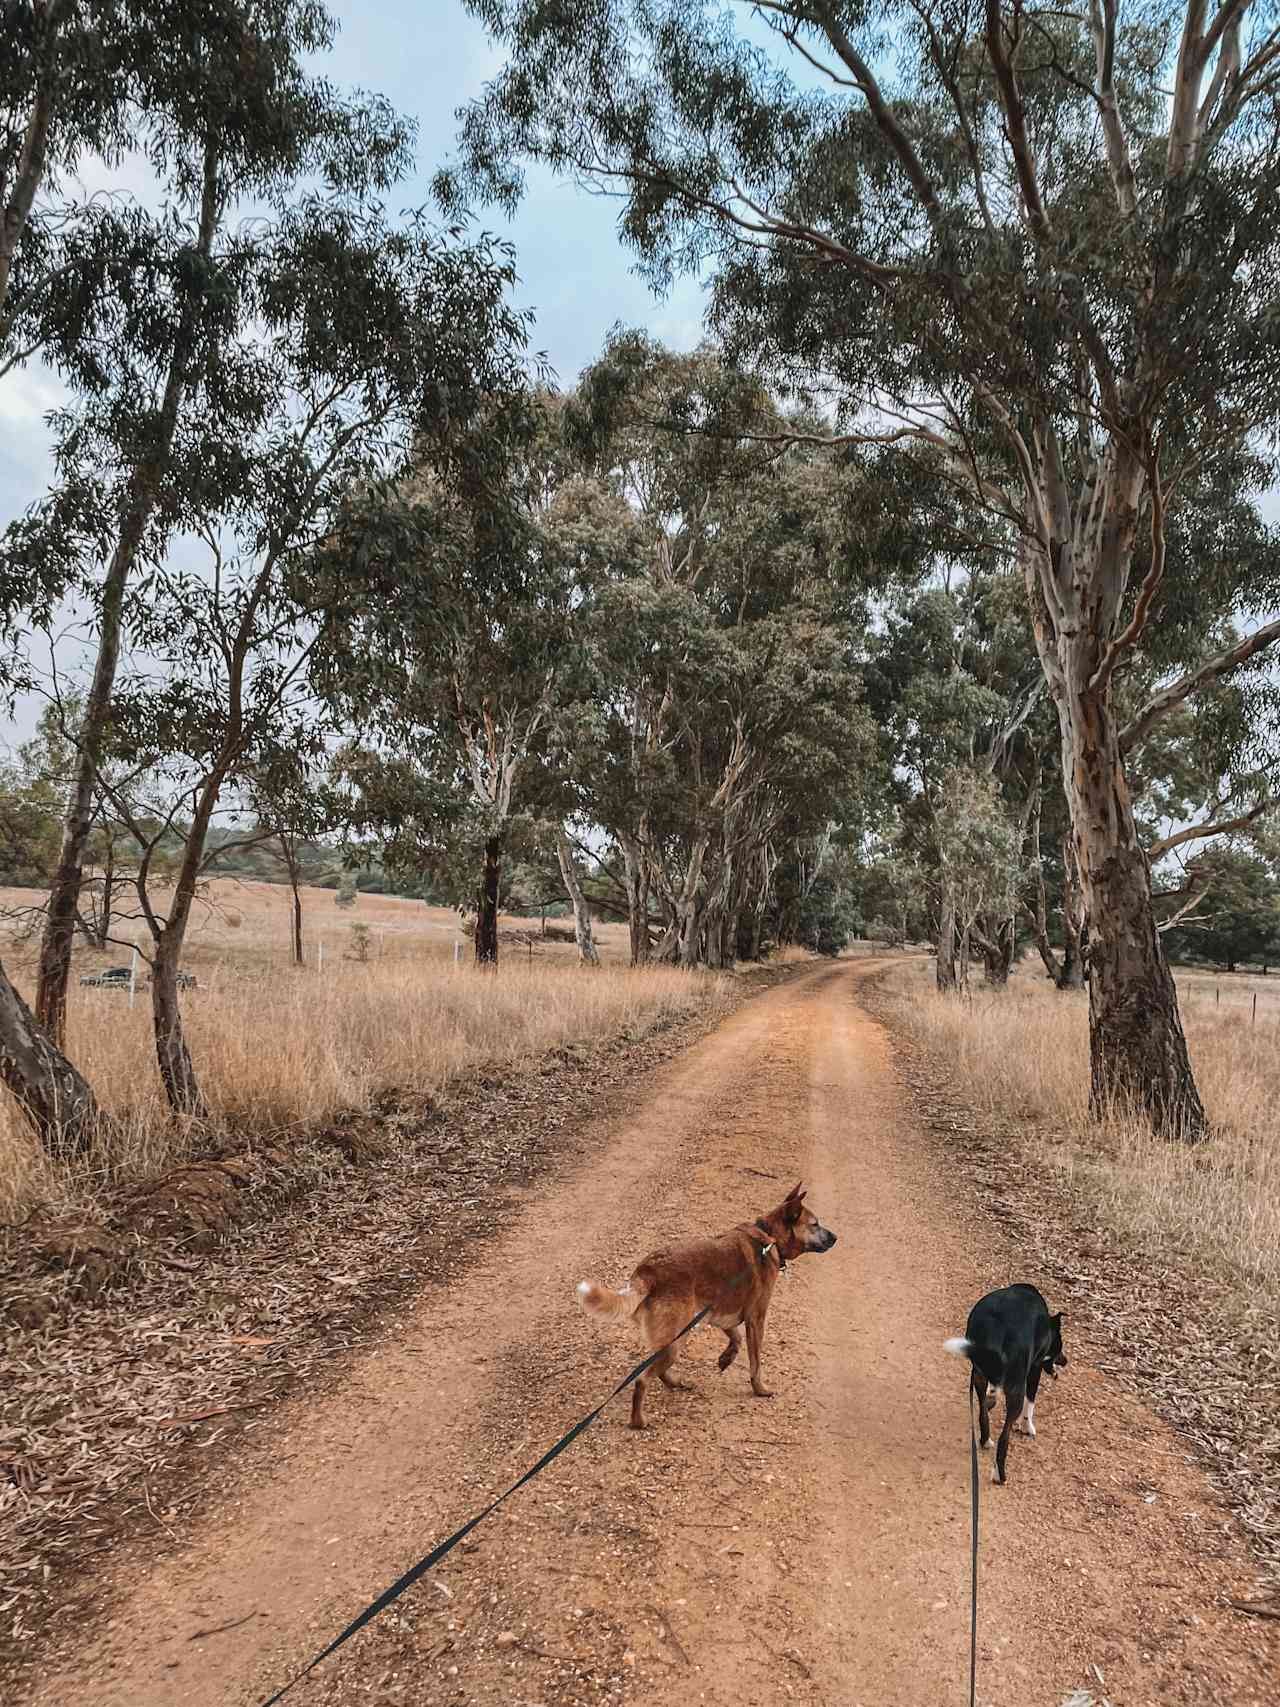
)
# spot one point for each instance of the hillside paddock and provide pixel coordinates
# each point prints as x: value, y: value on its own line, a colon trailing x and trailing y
x: 283, y: 1049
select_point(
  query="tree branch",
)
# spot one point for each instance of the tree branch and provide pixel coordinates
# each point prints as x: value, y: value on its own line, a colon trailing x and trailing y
x: 1202, y: 832
x: 1212, y: 670
x: 1102, y: 24
x: 1015, y: 114
x: 1150, y: 585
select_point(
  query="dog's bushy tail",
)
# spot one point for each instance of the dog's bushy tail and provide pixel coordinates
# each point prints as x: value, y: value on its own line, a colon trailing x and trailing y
x: 604, y: 1301
x: 983, y: 1357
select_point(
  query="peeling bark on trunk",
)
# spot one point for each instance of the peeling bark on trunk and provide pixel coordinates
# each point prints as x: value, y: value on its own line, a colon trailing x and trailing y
x: 691, y: 904
x: 55, y: 1098
x: 1137, y: 1047
x: 578, y: 900
x: 487, y: 913
x: 1077, y: 556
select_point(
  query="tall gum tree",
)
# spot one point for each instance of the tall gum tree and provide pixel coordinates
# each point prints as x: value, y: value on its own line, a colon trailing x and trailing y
x: 227, y: 110
x: 1029, y: 250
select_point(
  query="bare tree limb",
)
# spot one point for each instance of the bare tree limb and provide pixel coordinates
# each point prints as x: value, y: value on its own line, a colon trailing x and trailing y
x: 1212, y: 670
x: 1215, y: 827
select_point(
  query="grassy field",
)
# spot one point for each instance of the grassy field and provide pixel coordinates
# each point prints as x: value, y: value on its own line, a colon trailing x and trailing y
x: 280, y: 1047
x: 1024, y: 1055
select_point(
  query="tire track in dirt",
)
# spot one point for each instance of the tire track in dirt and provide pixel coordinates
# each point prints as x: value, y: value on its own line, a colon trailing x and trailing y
x: 811, y: 1548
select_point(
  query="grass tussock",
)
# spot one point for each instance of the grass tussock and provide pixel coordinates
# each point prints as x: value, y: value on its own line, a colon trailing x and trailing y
x: 1023, y: 1055
x: 291, y: 1049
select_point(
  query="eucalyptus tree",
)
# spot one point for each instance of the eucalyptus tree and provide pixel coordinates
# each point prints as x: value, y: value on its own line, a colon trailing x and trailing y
x: 349, y: 324
x: 150, y: 348
x: 455, y: 664
x: 1032, y: 250
x: 215, y: 96
x: 719, y: 637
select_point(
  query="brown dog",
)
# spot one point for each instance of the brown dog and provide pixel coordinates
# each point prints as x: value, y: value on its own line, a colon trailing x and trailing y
x: 732, y: 1275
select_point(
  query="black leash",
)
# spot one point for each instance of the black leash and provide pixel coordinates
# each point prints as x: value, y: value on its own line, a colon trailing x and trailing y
x: 973, y: 1521
x: 437, y: 1553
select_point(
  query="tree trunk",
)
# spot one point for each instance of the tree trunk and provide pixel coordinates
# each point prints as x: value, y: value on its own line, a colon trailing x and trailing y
x: 291, y: 866
x: 177, y: 1071
x: 108, y: 895
x: 144, y: 494
x: 1078, y: 553
x: 1074, y: 933
x: 58, y: 1102
x: 946, y: 948
x: 1138, y: 1052
x: 962, y: 980
x: 729, y: 939
x: 487, y: 913
x: 581, y: 912
x: 691, y: 904
x: 757, y: 932
x: 1040, y: 916
x: 637, y: 881
x: 999, y: 942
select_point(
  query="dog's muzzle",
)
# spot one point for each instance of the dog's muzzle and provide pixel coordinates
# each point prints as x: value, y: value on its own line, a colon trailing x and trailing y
x: 826, y: 1240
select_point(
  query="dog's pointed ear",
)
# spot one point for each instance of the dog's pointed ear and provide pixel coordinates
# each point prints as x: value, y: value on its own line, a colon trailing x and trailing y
x: 793, y: 1201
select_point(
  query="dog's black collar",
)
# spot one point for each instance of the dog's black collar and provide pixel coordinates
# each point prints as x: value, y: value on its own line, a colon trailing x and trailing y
x: 782, y: 1261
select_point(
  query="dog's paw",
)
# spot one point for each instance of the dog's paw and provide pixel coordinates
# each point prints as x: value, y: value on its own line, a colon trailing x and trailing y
x: 762, y: 1392
x: 984, y: 1446
x: 1027, y: 1428
x: 724, y: 1360
x: 996, y: 1478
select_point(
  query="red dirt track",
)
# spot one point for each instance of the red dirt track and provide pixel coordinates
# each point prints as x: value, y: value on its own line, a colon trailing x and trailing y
x: 812, y: 1548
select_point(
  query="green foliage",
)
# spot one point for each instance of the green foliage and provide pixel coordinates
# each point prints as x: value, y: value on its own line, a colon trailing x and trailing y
x: 980, y: 850
x: 1235, y: 919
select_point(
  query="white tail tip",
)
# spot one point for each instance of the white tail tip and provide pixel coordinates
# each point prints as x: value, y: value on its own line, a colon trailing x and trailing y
x: 584, y: 1288
x: 957, y: 1348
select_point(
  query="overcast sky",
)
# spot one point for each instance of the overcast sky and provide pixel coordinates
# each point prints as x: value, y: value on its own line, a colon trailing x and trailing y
x: 574, y: 274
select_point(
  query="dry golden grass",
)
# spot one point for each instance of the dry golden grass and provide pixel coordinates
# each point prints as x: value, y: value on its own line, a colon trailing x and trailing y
x: 1024, y: 1055
x: 279, y: 1047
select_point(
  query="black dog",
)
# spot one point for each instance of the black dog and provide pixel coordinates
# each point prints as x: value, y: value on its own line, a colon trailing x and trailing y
x: 1010, y: 1341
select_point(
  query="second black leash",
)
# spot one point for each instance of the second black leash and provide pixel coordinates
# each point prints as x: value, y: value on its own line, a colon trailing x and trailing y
x: 973, y: 1520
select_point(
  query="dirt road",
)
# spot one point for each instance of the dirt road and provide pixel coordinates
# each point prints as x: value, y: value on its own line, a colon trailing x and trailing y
x: 812, y: 1548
